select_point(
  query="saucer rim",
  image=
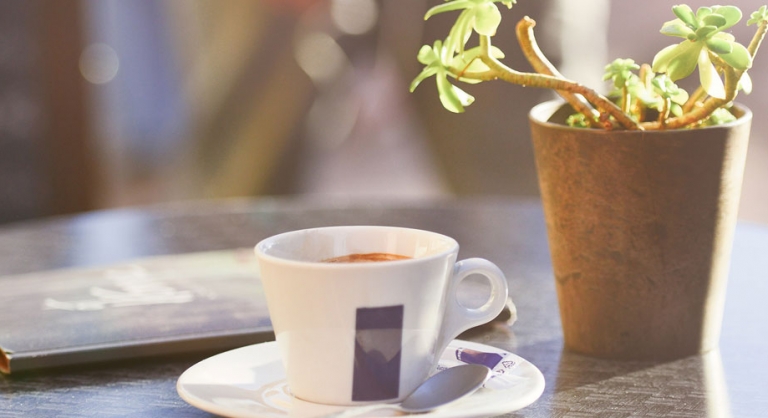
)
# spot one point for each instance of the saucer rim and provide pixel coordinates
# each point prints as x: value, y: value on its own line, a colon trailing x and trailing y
x: 526, y: 399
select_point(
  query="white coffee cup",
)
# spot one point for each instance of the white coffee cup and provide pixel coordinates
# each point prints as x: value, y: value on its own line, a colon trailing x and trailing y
x: 355, y: 333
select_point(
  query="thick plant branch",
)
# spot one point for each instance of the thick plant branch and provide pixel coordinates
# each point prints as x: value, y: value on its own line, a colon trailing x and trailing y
x: 646, y: 78
x: 699, y: 113
x: 501, y: 71
x: 754, y: 45
x: 542, y: 65
x: 696, y: 115
x: 698, y: 95
x: 702, y: 112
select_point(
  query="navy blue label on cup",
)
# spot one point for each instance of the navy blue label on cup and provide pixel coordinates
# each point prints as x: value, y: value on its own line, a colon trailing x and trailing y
x: 378, y: 346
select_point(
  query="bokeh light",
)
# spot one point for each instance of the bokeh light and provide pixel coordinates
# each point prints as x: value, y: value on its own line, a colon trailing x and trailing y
x: 99, y: 63
x: 354, y: 17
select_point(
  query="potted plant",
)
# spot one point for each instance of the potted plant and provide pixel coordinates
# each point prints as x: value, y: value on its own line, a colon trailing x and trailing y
x: 640, y: 189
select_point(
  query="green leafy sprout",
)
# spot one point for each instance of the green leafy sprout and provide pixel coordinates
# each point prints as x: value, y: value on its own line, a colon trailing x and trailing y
x: 642, y: 96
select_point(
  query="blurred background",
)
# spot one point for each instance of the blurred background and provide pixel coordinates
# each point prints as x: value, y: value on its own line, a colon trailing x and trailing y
x: 111, y: 103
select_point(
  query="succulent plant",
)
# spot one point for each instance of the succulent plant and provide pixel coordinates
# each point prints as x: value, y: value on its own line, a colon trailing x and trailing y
x: 639, y: 91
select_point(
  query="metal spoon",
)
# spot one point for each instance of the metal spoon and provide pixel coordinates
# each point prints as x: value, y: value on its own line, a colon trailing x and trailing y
x: 440, y: 389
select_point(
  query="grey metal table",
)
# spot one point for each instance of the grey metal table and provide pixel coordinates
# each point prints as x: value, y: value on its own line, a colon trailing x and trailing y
x: 729, y: 382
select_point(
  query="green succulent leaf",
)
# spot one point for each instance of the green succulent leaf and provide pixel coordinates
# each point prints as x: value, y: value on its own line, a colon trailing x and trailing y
x: 685, y: 62
x: 677, y: 61
x: 756, y: 18
x: 731, y: 14
x: 739, y: 57
x: 708, y: 77
x: 459, y: 33
x: 703, y: 12
x: 577, y: 120
x: 482, y: 16
x: 715, y: 20
x: 487, y: 18
x: 665, y: 88
x: 676, y: 109
x: 685, y: 14
x: 453, y: 98
x: 704, y: 35
x: 719, y: 117
x: 432, y: 58
x: 705, y: 31
x: 719, y: 46
x: 426, y: 55
x: 706, y: 22
x: 745, y: 83
x: 448, y: 7
x: 620, y: 72
x: 680, y: 97
x: 646, y: 96
x: 424, y: 74
x: 663, y: 58
x: 676, y: 28
x: 724, y: 36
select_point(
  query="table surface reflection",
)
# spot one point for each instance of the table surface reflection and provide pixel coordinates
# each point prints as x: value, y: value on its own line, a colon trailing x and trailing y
x: 511, y: 233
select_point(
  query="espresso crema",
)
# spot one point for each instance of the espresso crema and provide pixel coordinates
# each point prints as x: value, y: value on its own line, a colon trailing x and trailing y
x: 364, y: 258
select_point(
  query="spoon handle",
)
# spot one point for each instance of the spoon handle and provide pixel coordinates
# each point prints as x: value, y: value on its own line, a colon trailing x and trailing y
x: 361, y: 410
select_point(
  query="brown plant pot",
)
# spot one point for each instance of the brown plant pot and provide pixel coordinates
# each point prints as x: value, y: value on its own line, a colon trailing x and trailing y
x: 640, y: 227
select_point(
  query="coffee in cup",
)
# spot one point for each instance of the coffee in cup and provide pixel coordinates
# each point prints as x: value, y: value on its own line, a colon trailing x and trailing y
x: 364, y: 258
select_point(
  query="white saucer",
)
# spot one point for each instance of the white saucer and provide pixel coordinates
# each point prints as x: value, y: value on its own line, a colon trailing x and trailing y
x: 250, y: 382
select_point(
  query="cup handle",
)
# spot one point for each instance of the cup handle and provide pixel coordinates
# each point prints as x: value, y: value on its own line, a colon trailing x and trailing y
x: 459, y: 318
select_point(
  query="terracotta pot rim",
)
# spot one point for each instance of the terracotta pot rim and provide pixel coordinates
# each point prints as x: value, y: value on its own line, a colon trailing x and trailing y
x: 541, y: 113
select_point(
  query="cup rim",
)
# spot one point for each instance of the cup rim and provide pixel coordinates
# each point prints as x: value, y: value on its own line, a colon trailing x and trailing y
x: 261, y: 253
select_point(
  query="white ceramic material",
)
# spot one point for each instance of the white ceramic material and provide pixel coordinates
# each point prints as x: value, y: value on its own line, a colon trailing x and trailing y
x: 249, y: 382
x: 356, y: 333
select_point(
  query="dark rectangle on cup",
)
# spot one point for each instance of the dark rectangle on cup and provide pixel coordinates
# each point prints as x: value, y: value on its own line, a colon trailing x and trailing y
x: 489, y: 360
x: 378, y: 347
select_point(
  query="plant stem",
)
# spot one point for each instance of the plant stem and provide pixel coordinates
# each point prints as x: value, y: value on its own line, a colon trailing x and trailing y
x: 697, y: 95
x: 556, y: 81
x: 646, y: 77
x: 696, y: 115
x: 757, y: 39
x: 664, y: 114
x: 625, y: 100
x: 543, y: 66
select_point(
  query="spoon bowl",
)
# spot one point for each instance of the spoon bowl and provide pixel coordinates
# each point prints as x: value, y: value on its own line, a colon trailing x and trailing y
x: 442, y: 388
x: 445, y: 387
